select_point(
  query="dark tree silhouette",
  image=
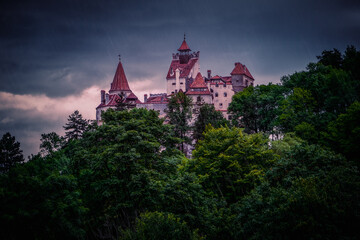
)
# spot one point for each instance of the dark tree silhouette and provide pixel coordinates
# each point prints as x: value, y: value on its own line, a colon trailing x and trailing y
x: 76, y: 126
x: 10, y: 152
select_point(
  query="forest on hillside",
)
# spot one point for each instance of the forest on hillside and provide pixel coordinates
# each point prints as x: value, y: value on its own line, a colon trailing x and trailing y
x: 285, y: 167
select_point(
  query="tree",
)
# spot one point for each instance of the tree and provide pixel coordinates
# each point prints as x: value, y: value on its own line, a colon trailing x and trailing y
x: 119, y: 165
x: 257, y: 108
x: 310, y: 193
x: 344, y: 133
x: 158, y: 225
x: 207, y: 115
x: 179, y: 114
x: 230, y: 163
x: 10, y: 153
x: 76, y: 126
x: 331, y: 57
x: 297, y: 108
x: 42, y: 198
x: 50, y: 143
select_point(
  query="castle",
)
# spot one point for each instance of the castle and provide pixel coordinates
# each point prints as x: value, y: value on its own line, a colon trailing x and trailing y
x: 183, y: 75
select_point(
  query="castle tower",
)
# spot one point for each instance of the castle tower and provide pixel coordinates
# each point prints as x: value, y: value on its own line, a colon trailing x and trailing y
x: 183, y: 69
x: 119, y: 91
x: 184, y: 51
x: 120, y: 84
x: 241, y: 77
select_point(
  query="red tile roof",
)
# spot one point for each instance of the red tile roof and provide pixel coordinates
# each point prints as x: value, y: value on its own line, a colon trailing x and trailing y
x: 132, y: 96
x: 206, y: 92
x: 198, y: 87
x: 184, y: 47
x: 241, y: 70
x: 184, y: 68
x: 120, y: 82
x: 113, y: 98
x: 216, y: 77
x: 198, y: 82
x: 157, y: 99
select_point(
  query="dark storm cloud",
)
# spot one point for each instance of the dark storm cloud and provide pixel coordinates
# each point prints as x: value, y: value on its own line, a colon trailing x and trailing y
x: 61, y: 48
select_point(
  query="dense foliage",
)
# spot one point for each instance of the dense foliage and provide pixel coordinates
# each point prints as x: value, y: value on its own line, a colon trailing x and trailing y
x: 179, y: 114
x: 207, y: 115
x: 128, y: 179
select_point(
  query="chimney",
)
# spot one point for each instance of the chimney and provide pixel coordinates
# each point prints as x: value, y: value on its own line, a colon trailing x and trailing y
x: 102, y: 96
x: 145, y: 98
x: 107, y: 98
x: 209, y: 74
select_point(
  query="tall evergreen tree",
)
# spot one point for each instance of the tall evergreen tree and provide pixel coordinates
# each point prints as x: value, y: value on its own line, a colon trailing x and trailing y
x: 179, y: 114
x: 10, y: 152
x: 76, y: 126
x: 207, y: 115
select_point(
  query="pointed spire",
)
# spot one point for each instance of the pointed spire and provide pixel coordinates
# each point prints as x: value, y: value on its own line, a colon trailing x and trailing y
x: 120, y: 82
x: 184, y: 46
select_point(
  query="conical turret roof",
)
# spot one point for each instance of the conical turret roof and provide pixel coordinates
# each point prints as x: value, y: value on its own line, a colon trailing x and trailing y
x: 184, y: 46
x: 120, y: 82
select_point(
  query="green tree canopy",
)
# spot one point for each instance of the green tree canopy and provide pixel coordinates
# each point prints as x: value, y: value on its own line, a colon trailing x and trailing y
x: 179, y: 114
x: 207, y: 115
x: 118, y: 165
x: 257, y: 108
x: 230, y: 163
x: 307, y: 194
x: 344, y: 133
x: 50, y: 143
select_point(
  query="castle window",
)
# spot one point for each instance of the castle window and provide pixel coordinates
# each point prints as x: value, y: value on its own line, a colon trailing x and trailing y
x: 220, y: 104
x: 225, y: 94
x: 252, y: 84
x: 181, y: 83
x: 216, y: 94
x: 224, y: 85
x: 211, y: 90
x: 216, y: 85
x: 173, y: 83
x: 199, y: 99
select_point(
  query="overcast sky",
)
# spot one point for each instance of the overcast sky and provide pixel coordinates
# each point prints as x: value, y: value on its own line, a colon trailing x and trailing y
x: 56, y: 57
